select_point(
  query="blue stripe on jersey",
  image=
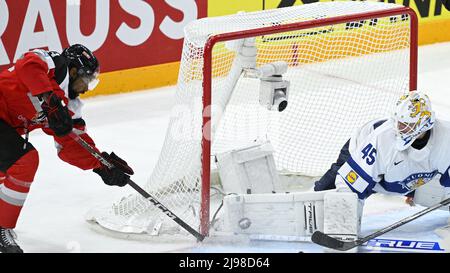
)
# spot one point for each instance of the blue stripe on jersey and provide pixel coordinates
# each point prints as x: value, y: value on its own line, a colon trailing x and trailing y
x: 368, y: 191
x: 378, y: 123
x: 445, y: 179
x: 394, y: 187
x: 408, y: 184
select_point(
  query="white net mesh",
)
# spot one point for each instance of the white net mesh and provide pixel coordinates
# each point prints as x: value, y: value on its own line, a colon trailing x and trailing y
x: 341, y: 76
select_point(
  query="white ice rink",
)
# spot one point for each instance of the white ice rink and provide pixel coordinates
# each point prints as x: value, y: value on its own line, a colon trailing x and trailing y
x: 133, y: 125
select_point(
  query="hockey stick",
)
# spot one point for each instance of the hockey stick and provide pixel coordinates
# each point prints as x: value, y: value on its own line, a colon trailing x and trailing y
x: 141, y: 191
x: 325, y: 240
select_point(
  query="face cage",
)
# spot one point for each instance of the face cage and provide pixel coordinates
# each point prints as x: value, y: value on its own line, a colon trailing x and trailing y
x: 411, y: 130
x: 90, y: 80
x: 405, y: 129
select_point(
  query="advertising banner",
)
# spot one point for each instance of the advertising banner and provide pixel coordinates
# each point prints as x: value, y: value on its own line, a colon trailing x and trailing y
x: 124, y: 34
x: 434, y: 19
x: 426, y: 9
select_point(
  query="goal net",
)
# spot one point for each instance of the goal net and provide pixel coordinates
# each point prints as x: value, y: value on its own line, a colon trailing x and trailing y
x: 347, y: 63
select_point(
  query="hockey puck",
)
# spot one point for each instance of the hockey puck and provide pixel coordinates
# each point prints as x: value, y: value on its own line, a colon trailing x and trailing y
x: 245, y: 223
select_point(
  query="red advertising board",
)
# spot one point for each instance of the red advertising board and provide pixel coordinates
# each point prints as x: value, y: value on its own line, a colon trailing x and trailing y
x: 123, y: 33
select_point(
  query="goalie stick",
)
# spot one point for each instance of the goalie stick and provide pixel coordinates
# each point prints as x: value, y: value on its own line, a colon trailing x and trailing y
x: 325, y: 240
x: 141, y: 191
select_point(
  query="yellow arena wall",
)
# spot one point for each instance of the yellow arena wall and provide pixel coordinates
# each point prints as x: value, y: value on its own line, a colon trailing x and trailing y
x: 434, y: 27
x: 136, y: 79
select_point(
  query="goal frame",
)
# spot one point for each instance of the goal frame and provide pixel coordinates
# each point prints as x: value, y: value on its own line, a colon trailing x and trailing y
x: 207, y: 79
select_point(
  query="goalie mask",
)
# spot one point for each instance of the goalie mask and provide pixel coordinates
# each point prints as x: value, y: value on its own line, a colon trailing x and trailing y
x: 413, y: 116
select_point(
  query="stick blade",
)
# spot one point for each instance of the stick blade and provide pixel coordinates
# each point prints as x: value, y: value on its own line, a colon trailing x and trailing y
x: 325, y: 240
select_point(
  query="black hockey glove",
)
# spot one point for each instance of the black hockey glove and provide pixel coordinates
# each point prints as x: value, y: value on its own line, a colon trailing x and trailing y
x: 58, y: 116
x: 117, y: 176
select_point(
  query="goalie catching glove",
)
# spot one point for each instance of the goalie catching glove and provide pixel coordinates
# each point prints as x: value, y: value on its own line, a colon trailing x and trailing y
x: 116, y: 176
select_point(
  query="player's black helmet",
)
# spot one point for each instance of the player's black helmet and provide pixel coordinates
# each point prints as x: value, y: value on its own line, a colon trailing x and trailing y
x: 82, y: 58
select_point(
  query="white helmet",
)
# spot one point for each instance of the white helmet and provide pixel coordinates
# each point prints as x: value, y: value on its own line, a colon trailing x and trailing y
x: 412, y: 117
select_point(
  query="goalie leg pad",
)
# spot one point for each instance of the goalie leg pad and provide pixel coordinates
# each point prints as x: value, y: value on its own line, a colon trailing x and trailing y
x: 342, y: 215
x: 277, y: 214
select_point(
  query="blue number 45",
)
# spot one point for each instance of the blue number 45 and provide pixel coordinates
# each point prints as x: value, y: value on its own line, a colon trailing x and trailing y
x: 369, y: 153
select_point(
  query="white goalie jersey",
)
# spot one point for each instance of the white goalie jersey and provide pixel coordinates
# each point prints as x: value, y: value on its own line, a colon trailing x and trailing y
x: 375, y: 165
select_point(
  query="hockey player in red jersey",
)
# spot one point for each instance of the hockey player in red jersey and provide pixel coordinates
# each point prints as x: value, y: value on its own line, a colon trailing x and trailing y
x: 41, y: 91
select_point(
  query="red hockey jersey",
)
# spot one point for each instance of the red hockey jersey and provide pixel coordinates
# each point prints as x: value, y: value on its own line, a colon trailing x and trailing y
x: 37, y: 72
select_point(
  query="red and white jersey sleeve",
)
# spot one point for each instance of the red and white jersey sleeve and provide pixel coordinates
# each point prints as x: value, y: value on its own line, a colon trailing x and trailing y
x: 34, y: 72
x: 71, y: 152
